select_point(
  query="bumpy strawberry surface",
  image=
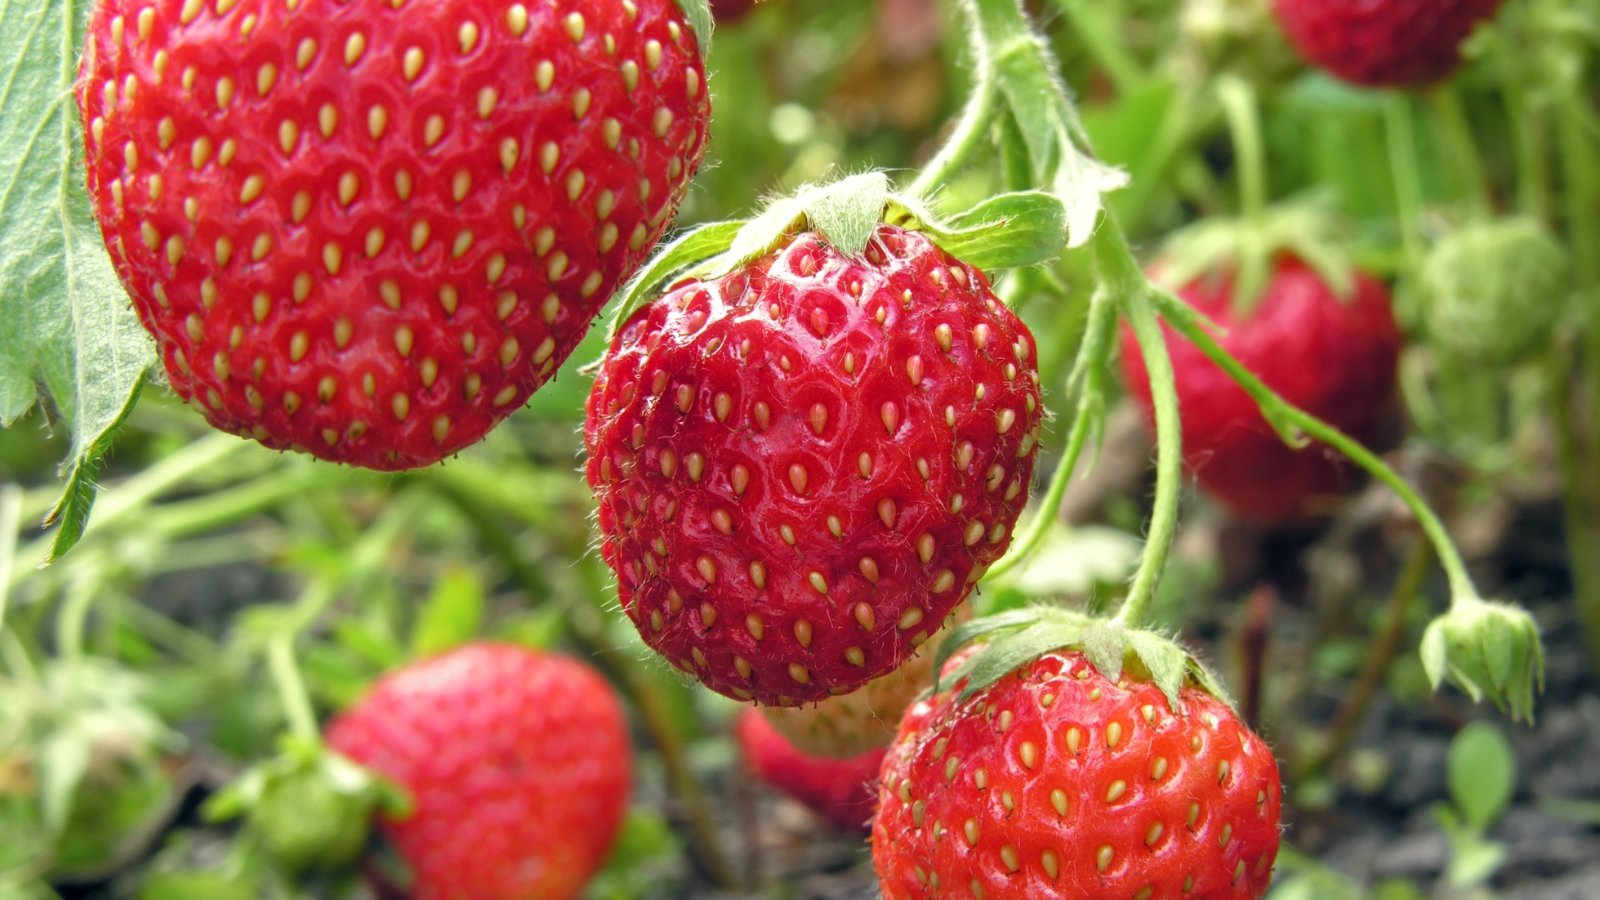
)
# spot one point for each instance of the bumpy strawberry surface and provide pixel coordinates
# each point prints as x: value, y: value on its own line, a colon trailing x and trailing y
x: 1057, y: 782
x: 369, y: 230
x: 843, y: 791
x: 804, y: 465
x: 863, y: 720
x: 518, y: 764
x: 1333, y: 357
x: 1383, y: 43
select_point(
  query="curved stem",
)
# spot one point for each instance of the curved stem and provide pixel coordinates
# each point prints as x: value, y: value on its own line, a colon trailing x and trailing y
x: 1283, y: 415
x: 1457, y: 136
x: 1120, y: 273
x: 1402, y: 140
x: 291, y: 687
x: 969, y: 134
x: 1093, y: 357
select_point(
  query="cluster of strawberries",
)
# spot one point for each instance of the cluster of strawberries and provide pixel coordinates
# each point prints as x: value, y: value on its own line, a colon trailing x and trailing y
x: 370, y: 231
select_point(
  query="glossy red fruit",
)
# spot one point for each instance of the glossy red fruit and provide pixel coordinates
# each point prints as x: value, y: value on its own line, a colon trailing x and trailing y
x: 843, y: 791
x: 804, y: 465
x: 369, y: 230
x: 1333, y: 357
x: 518, y: 763
x: 1383, y: 43
x: 1057, y: 782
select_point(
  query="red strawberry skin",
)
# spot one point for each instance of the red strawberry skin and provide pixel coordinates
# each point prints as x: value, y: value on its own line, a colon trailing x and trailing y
x: 1057, y: 782
x: 843, y: 791
x: 1334, y: 358
x: 803, y: 466
x: 518, y: 763
x: 1383, y: 43
x: 369, y: 230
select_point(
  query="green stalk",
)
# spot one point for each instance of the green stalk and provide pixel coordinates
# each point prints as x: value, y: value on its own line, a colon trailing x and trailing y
x: 1456, y: 133
x: 1094, y: 356
x: 1291, y: 419
x: 1408, y: 195
x: 1121, y: 274
x: 971, y: 130
x: 292, y: 688
x: 1244, y: 125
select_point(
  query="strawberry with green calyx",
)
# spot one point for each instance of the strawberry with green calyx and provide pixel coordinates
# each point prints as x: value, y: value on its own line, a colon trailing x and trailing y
x: 1076, y: 758
x: 308, y: 807
x: 371, y: 230
x: 518, y: 764
x: 1383, y: 43
x: 863, y: 720
x: 842, y: 790
x: 1492, y: 292
x: 807, y: 454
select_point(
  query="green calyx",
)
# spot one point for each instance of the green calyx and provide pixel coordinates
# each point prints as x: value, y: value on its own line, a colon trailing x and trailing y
x: 309, y: 807
x: 1010, y: 231
x: 1489, y: 650
x: 698, y: 12
x: 1013, y: 639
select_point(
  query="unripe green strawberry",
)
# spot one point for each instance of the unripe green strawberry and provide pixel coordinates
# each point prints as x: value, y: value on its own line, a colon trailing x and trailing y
x: 370, y: 229
x: 1492, y: 292
x: 804, y: 465
x: 1056, y: 781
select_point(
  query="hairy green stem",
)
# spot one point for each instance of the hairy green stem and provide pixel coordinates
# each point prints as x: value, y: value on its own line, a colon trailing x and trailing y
x: 1578, y: 520
x: 1094, y: 355
x: 1134, y: 295
x: 971, y: 130
x: 1284, y: 415
x: 1456, y: 133
x: 1400, y: 133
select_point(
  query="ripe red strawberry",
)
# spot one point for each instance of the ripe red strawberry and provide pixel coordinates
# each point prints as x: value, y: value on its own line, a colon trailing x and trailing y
x: 1333, y: 357
x: 843, y: 791
x: 1057, y: 782
x: 804, y: 465
x: 371, y: 229
x: 1383, y: 43
x: 518, y: 764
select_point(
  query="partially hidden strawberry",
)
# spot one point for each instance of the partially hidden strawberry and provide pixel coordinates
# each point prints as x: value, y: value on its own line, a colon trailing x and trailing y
x: 804, y: 465
x: 862, y: 720
x: 369, y: 230
x: 1383, y: 43
x: 518, y: 764
x: 1056, y: 781
x: 843, y: 791
x: 1334, y: 357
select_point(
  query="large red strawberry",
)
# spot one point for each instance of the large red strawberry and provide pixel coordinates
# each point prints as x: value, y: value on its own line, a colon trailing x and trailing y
x: 1056, y: 781
x: 518, y: 764
x: 1383, y: 43
x: 843, y: 791
x: 804, y: 465
x: 370, y: 229
x: 1334, y: 357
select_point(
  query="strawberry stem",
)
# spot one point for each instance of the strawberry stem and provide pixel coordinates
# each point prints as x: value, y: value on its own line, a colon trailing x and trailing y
x: 291, y: 686
x: 1120, y: 274
x: 1238, y: 100
x: 970, y: 133
x: 1401, y: 136
x: 1456, y: 133
x: 1187, y: 322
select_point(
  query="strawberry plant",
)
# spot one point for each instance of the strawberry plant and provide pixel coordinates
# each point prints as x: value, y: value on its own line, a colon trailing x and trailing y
x: 940, y: 438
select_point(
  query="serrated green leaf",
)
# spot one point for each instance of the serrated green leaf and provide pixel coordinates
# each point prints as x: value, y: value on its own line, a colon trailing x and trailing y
x: 974, y: 629
x: 451, y: 615
x: 698, y: 12
x: 67, y: 331
x: 848, y: 211
x: 1166, y: 663
x: 688, y: 250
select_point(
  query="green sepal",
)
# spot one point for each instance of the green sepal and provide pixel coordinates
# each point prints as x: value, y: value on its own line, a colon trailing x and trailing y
x: 1217, y: 247
x: 1014, y: 638
x: 674, y: 259
x: 1488, y: 650
x: 847, y: 212
x: 698, y: 12
x: 1011, y: 231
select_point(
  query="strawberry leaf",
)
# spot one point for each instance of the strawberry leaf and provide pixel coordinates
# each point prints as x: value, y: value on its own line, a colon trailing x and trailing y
x: 67, y: 332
